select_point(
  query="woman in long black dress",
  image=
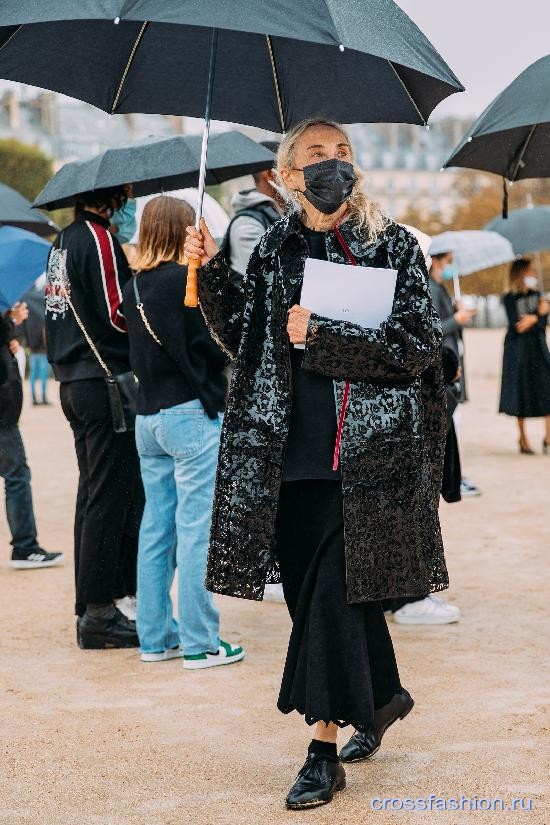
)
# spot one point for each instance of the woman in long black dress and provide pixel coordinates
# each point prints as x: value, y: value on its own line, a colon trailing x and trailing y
x: 331, y: 455
x: 525, y: 391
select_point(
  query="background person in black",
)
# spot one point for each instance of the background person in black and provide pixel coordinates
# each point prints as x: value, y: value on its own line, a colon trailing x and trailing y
x: 88, y: 264
x: 525, y: 391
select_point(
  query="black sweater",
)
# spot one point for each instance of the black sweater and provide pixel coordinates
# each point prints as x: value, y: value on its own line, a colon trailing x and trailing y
x: 87, y: 262
x: 188, y: 365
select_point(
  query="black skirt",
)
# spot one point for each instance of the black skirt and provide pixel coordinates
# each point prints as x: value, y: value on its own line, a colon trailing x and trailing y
x: 340, y: 664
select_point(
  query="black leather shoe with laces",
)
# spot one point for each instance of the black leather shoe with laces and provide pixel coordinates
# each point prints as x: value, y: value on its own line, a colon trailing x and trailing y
x: 94, y: 633
x: 317, y: 782
x: 363, y: 745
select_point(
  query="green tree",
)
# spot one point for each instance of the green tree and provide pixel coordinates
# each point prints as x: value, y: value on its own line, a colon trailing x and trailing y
x: 23, y: 167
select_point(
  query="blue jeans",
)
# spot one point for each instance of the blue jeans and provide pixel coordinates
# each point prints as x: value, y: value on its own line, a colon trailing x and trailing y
x: 39, y: 370
x: 178, y: 453
x: 17, y: 477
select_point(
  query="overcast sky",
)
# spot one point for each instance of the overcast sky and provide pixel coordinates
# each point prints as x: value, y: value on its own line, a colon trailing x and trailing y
x: 487, y: 43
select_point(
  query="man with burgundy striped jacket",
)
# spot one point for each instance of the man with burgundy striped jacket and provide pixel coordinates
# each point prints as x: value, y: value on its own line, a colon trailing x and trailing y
x: 87, y: 270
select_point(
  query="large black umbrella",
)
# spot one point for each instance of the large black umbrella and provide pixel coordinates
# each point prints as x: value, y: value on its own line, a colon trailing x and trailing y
x: 15, y: 210
x: 156, y: 165
x: 267, y: 63
x: 528, y: 230
x: 512, y: 136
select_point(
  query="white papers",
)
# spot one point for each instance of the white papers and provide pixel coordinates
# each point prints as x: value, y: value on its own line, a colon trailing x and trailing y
x: 358, y: 294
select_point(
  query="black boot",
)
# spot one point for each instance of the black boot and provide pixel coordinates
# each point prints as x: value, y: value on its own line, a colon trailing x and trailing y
x: 317, y: 782
x: 363, y: 745
x: 99, y: 632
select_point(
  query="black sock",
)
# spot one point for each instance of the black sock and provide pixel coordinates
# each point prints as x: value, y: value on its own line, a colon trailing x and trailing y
x: 323, y: 748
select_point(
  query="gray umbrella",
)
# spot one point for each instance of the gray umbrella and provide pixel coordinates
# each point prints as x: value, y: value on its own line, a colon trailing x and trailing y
x: 512, y: 136
x: 15, y: 210
x: 156, y: 165
x: 528, y: 230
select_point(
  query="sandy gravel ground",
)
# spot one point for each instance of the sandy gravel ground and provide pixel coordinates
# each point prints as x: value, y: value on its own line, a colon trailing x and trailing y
x: 98, y: 738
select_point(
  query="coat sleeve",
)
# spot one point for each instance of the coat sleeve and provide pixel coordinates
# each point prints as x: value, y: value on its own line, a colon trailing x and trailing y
x: 104, y: 274
x: 449, y: 325
x: 402, y: 348
x: 222, y: 303
x: 245, y: 234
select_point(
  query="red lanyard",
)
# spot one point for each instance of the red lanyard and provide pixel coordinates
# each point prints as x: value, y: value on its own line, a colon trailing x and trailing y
x: 345, y: 399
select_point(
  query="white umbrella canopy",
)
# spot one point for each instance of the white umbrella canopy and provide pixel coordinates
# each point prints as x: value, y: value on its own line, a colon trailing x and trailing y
x: 473, y: 249
x: 214, y: 214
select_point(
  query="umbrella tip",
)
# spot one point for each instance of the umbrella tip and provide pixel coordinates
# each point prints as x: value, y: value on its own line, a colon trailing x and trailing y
x: 470, y: 139
x: 442, y: 169
x: 116, y: 21
x: 341, y: 47
x: 427, y: 127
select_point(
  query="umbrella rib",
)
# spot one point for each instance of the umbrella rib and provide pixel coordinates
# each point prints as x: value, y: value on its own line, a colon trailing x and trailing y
x: 10, y: 38
x: 276, y: 82
x: 411, y: 98
x: 523, y: 151
x: 128, y: 64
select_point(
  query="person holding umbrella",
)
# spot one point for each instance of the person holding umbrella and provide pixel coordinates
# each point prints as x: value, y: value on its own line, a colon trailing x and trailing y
x: 525, y: 391
x: 337, y: 497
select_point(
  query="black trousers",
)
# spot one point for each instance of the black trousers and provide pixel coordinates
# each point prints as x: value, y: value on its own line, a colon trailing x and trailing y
x: 110, y: 499
x: 340, y: 664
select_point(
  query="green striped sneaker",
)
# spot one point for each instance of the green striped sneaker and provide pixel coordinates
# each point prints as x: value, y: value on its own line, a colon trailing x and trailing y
x: 226, y: 655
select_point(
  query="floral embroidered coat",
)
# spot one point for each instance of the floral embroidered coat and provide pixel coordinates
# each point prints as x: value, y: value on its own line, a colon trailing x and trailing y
x: 394, y: 430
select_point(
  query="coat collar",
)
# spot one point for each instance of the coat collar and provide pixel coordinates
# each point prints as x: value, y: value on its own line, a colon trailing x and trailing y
x: 290, y: 223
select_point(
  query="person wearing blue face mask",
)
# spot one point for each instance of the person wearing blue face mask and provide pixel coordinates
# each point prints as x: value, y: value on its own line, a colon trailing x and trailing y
x: 454, y: 317
x: 123, y: 221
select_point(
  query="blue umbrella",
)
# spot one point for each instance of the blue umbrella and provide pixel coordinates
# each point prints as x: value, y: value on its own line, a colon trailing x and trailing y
x: 23, y: 257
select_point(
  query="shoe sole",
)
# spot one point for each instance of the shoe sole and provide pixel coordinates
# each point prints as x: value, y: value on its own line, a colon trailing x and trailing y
x: 36, y: 565
x: 101, y: 643
x: 202, y: 664
x: 316, y: 803
x: 159, y: 657
x: 427, y: 621
x: 375, y: 751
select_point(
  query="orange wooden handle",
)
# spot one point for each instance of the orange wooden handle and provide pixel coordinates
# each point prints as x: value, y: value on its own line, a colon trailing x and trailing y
x: 192, y: 290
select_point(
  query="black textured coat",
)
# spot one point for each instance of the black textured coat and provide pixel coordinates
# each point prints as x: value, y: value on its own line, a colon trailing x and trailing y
x: 394, y: 432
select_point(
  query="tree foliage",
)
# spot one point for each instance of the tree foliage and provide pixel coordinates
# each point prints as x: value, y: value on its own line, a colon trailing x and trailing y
x: 23, y: 167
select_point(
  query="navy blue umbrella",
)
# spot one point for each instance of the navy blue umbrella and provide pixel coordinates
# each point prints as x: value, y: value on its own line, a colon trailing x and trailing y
x: 23, y: 258
x: 158, y: 164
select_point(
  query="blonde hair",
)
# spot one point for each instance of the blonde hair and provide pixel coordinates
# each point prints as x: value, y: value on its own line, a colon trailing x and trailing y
x: 162, y: 232
x: 366, y: 214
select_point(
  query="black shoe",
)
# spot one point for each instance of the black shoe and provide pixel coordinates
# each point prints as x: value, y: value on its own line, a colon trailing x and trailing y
x: 36, y: 559
x: 96, y: 634
x: 317, y: 782
x: 363, y: 745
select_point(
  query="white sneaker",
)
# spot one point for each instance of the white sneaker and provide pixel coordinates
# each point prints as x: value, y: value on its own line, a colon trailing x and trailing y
x: 274, y: 593
x: 163, y: 656
x: 226, y: 655
x: 468, y: 490
x: 431, y: 610
x: 127, y: 606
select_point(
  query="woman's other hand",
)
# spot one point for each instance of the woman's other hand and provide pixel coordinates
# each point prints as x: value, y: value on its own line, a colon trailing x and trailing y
x: 464, y: 316
x: 526, y: 322
x: 298, y: 319
x: 200, y: 243
x: 543, y: 307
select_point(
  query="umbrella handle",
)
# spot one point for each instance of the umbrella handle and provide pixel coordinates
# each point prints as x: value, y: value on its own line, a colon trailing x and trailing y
x: 192, y: 290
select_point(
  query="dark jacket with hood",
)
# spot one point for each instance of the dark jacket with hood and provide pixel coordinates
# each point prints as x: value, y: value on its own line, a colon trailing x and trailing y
x: 11, y: 387
x: 394, y: 431
x: 87, y: 266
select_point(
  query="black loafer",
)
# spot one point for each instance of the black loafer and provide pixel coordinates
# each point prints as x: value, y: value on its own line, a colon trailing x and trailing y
x: 317, y: 782
x: 98, y: 634
x: 363, y: 745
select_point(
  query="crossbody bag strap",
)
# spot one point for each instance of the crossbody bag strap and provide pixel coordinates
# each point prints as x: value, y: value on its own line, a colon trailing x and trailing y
x: 345, y: 400
x: 139, y: 307
x: 83, y: 329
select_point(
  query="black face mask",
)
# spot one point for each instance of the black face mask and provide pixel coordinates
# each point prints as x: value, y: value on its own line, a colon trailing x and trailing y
x: 329, y: 184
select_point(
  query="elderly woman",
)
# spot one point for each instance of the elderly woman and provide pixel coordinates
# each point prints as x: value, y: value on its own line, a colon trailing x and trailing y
x: 330, y: 463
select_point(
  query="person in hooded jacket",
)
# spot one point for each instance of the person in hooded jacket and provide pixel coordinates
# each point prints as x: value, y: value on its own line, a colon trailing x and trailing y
x: 331, y: 455
x: 87, y: 270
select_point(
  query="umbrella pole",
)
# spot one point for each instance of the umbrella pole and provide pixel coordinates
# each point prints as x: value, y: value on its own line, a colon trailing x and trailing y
x: 191, y: 292
x: 456, y: 287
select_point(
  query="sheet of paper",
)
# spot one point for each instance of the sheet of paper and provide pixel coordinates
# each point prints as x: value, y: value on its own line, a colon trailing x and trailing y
x: 358, y: 294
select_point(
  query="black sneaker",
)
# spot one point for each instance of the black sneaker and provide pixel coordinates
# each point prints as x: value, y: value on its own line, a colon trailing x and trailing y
x: 316, y: 783
x: 97, y: 634
x: 36, y: 559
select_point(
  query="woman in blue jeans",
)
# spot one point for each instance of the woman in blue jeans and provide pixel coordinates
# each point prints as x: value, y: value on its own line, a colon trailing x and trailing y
x: 180, y: 402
